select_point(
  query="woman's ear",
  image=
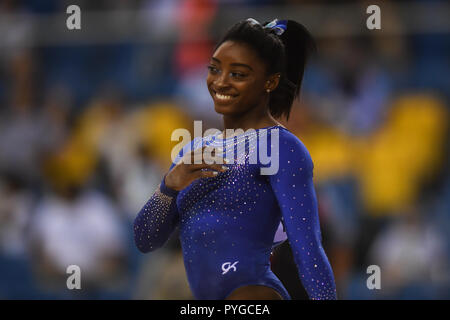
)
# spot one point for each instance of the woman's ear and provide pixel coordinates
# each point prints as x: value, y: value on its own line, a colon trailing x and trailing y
x: 273, y: 82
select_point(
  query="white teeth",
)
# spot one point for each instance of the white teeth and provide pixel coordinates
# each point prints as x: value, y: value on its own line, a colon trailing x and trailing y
x: 221, y: 96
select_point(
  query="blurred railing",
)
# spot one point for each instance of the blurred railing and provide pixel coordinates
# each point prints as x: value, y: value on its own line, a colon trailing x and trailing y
x: 147, y: 25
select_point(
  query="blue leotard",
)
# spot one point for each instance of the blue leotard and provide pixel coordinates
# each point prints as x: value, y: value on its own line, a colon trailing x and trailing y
x: 228, y: 222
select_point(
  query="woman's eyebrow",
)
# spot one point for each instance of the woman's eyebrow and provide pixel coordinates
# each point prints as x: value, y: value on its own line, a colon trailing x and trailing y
x: 235, y: 64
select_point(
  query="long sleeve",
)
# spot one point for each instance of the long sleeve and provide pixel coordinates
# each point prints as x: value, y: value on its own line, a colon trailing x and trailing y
x: 156, y: 221
x: 294, y: 190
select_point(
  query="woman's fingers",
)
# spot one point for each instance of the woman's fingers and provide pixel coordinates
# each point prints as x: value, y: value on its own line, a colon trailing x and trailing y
x: 206, y: 154
x: 204, y: 162
x: 216, y: 167
x: 205, y: 174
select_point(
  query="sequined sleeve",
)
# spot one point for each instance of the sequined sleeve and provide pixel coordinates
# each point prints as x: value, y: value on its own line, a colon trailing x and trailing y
x: 294, y: 190
x: 157, y: 219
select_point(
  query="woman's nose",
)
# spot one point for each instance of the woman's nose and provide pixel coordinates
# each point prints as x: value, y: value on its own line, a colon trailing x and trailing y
x: 222, y: 80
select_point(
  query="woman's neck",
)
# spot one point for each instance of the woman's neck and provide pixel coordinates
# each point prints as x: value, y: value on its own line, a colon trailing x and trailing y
x: 249, y: 121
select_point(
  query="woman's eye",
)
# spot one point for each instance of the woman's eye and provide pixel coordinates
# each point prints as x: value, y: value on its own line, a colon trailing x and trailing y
x: 237, y: 75
x: 212, y: 69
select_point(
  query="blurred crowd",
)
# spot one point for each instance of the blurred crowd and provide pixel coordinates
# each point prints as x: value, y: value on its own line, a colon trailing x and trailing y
x: 85, y: 138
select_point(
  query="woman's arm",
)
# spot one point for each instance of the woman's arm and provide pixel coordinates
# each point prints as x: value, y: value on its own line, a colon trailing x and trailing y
x: 294, y: 189
x: 156, y: 221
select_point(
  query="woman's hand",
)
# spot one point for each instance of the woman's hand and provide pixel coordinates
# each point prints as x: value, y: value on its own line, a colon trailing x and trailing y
x: 186, y: 171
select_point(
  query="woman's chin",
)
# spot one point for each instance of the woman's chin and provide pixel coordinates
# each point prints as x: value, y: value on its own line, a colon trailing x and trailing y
x: 224, y: 109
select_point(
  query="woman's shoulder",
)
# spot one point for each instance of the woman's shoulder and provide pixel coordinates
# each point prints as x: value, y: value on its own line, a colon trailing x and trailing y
x: 288, y: 140
x: 293, y: 151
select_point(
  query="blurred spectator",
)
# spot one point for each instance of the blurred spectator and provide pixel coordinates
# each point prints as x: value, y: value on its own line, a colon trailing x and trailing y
x: 191, y: 56
x: 78, y: 227
x: 139, y: 181
x: 16, y: 203
x: 16, y: 206
x: 411, y: 254
x: 162, y: 275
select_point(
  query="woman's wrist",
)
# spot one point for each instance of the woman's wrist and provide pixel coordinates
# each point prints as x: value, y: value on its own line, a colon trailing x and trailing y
x: 167, y: 190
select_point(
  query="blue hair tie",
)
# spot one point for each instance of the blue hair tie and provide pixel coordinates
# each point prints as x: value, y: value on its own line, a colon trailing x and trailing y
x: 279, y: 26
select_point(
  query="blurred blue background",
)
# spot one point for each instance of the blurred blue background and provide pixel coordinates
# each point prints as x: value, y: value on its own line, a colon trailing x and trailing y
x: 86, y: 118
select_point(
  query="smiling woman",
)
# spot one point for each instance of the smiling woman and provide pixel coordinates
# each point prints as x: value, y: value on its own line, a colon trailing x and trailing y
x: 229, y: 215
x: 236, y: 85
x: 255, y: 71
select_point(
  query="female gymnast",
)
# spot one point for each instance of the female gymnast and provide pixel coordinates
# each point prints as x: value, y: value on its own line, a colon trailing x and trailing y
x: 228, y: 215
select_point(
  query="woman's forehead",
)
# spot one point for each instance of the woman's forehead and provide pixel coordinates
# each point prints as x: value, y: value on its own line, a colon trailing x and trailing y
x: 236, y: 52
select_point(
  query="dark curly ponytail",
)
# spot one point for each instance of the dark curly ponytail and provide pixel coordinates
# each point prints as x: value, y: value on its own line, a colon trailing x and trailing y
x: 299, y: 45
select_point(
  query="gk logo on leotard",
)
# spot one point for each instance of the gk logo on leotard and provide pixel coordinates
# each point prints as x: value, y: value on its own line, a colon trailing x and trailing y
x: 227, y: 266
